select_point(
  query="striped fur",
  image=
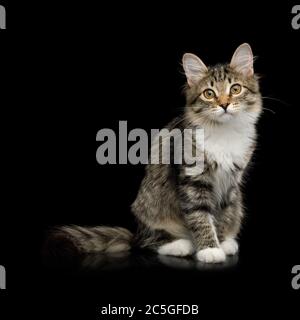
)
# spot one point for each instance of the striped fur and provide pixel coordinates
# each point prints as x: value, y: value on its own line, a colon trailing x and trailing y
x: 179, y: 210
x: 77, y: 239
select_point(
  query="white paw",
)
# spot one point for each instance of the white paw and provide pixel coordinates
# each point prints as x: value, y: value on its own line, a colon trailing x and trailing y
x: 211, y: 255
x: 230, y: 246
x: 181, y: 247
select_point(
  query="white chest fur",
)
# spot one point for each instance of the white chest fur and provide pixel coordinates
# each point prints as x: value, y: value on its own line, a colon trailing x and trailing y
x: 228, y: 146
x: 229, y: 143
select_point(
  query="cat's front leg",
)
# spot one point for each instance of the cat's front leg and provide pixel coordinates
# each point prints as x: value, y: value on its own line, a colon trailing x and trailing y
x: 229, y: 223
x: 197, y: 206
x: 201, y: 225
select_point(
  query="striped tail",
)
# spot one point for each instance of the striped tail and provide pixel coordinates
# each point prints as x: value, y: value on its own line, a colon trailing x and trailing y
x: 79, y: 240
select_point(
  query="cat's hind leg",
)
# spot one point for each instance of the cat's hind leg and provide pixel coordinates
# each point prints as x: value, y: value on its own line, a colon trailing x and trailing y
x: 179, y: 247
x: 230, y: 246
x: 164, y: 243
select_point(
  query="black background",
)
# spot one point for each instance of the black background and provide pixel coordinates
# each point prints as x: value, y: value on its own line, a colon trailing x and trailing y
x: 67, y: 73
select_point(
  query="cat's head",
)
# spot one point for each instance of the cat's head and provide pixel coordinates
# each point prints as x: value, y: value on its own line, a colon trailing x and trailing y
x: 224, y: 92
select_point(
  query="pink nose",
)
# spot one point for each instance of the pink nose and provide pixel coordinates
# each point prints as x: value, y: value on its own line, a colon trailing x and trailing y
x: 224, y: 105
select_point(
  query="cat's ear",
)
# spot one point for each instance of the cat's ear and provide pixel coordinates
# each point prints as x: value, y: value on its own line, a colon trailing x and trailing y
x: 242, y: 60
x: 194, y: 68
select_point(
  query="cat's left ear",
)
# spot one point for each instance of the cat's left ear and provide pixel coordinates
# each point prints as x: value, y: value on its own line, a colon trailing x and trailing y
x: 242, y: 60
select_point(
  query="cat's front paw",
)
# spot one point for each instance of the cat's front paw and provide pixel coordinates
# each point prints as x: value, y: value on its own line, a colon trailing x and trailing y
x: 211, y: 255
x: 230, y: 247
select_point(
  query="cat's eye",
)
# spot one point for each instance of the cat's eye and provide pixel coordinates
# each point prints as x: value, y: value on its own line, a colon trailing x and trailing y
x: 236, y: 89
x: 209, y: 94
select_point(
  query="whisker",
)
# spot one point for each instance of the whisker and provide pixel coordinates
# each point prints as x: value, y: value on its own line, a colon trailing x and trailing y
x: 272, y: 111
x: 277, y: 100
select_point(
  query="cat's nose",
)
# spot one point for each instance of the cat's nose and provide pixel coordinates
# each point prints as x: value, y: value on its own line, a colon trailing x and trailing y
x: 224, y: 105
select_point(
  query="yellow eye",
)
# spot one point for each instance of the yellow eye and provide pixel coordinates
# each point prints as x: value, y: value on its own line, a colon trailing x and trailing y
x: 209, y: 94
x: 236, y: 89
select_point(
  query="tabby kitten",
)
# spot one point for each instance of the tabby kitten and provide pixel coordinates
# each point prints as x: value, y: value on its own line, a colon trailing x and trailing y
x: 180, y: 211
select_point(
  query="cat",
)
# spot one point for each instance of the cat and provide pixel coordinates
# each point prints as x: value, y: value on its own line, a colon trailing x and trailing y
x: 179, y: 211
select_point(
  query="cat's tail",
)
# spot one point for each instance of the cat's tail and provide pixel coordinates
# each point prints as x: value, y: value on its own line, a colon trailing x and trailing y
x: 80, y: 240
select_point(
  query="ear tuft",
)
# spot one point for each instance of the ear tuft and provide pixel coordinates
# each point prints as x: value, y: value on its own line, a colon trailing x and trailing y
x: 194, y: 68
x: 242, y: 60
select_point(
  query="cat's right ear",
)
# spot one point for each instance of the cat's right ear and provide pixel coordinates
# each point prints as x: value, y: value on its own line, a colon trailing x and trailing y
x: 194, y: 68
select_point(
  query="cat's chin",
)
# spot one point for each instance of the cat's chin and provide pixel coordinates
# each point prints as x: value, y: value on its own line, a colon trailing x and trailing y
x: 224, y: 117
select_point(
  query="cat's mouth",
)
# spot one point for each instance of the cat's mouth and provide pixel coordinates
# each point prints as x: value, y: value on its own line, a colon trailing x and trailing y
x: 226, y: 115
